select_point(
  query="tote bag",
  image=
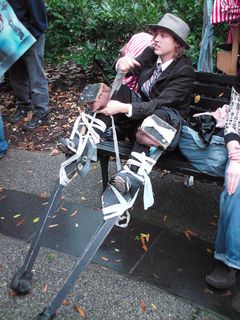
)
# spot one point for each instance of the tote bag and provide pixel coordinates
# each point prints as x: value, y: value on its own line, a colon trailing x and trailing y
x: 15, y: 39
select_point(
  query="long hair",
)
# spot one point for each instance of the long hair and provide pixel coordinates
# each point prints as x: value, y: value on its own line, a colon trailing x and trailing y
x: 180, y: 51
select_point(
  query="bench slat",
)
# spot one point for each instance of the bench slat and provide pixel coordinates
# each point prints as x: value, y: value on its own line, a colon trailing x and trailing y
x: 212, y: 91
x: 214, y: 78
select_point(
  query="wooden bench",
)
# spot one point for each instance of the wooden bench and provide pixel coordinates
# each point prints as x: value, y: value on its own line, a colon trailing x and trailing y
x: 211, y: 90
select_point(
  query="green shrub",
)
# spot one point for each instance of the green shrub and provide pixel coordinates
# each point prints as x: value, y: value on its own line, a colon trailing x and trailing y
x: 82, y: 29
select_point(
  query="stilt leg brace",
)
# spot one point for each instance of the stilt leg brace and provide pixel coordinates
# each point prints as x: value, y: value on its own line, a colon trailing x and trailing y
x: 155, y: 132
x: 119, y: 203
x: 83, y: 136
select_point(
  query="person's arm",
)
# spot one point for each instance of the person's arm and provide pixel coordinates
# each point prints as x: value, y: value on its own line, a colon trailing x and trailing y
x: 232, y: 139
x: 233, y: 171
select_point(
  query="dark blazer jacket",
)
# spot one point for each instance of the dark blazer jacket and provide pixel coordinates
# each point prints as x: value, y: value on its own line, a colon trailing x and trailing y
x: 172, y: 89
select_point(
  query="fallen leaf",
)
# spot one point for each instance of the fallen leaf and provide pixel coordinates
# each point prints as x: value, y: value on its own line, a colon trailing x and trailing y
x: 20, y: 222
x: 74, y: 213
x: 197, y: 99
x: 188, y: 233
x: 143, y: 307
x: 28, y: 117
x: 53, y: 225
x: 45, y: 288
x: 144, y: 238
x: 208, y: 291
x: 66, y: 302
x: 213, y: 223
x: 104, y: 268
x: 81, y: 311
x: 13, y: 293
x: 43, y: 195
x: 55, y: 152
x: 36, y: 220
x: 154, y: 306
x: 16, y: 216
x: 105, y: 259
x: 51, y: 256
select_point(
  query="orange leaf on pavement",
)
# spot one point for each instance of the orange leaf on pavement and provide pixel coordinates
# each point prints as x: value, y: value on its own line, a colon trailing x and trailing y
x: 43, y: 195
x: 20, y: 222
x: 143, y: 307
x: 188, y: 233
x: 81, y: 311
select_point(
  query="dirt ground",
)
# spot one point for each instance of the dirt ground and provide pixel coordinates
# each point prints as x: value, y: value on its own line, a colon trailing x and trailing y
x: 65, y: 85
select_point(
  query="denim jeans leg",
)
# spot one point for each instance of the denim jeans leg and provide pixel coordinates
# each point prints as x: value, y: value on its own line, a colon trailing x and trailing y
x: 227, y: 246
x: 38, y: 84
x: 3, y: 142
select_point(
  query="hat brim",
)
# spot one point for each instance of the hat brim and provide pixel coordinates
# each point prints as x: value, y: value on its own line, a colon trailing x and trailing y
x: 157, y: 26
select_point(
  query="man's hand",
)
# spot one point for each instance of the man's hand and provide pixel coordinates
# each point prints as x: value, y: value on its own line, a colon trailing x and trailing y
x: 126, y: 63
x: 232, y: 176
x: 115, y: 107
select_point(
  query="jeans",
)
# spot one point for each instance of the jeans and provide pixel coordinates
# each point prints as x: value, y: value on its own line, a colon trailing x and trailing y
x: 227, y: 245
x: 3, y: 142
x: 211, y: 159
x: 28, y: 80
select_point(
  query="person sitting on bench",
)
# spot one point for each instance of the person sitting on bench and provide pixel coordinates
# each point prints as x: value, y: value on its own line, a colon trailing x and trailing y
x: 134, y: 48
x: 227, y: 245
x: 165, y: 79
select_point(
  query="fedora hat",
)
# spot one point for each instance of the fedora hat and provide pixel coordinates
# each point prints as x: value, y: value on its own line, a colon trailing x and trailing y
x: 175, y: 26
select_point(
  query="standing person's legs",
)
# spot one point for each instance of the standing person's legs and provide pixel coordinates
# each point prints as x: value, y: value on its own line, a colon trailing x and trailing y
x: 18, y: 77
x: 38, y: 84
x: 227, y: 245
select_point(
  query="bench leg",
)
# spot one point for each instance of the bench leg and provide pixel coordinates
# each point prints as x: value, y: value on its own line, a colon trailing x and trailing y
x: 104, y: 160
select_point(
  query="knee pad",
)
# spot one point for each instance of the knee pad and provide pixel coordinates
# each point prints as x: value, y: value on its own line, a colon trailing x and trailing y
x: 155, y: 132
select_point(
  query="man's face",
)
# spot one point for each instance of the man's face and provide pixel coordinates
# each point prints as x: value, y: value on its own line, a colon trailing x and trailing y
x: 164, y: 44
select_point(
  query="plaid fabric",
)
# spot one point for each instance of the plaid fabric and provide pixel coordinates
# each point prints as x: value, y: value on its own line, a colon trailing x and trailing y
x: 225, y: 11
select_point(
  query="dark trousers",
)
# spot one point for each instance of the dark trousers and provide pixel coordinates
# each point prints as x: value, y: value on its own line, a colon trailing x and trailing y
x: 127, y: 125
x: 28, y: 80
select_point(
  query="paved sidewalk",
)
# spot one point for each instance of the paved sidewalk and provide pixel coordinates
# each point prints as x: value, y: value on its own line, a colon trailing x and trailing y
x: 102, y: 293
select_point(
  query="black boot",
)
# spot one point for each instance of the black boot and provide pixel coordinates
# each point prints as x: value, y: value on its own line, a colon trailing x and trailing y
x: 18, y: 115
x: 37, y: 121
x: 222, y: 277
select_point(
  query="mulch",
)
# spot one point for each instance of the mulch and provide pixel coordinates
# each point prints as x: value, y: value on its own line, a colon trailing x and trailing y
x: 65, y: 85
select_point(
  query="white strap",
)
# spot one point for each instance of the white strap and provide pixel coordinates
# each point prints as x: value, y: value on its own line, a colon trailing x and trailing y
x: 119, y: 208
x: 145, y: 165
x: 92, y: 136
x: 116, y: 149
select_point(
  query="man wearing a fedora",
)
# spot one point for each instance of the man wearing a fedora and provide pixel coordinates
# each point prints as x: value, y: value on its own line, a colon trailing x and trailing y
x: 165, y: 78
